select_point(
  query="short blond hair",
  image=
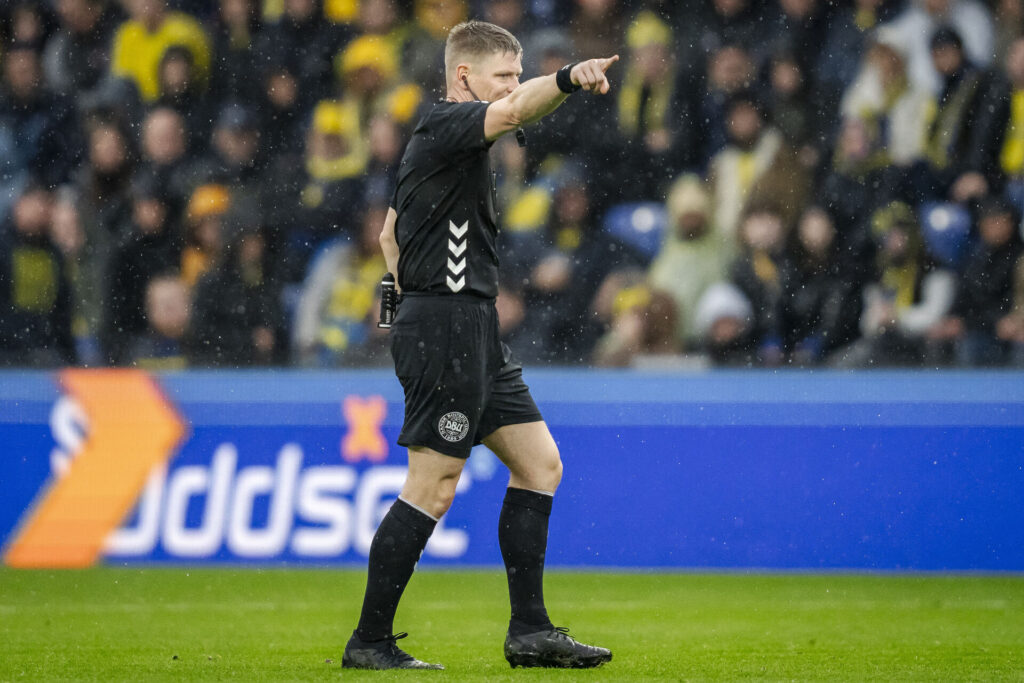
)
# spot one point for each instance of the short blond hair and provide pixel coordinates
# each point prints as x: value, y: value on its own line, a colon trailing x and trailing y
x: 472, y: 40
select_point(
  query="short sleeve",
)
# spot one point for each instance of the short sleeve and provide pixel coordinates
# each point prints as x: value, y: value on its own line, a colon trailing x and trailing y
x: 458, y: 127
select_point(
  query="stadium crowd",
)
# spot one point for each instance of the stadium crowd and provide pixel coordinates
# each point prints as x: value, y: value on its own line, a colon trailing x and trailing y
x: 197, y: 183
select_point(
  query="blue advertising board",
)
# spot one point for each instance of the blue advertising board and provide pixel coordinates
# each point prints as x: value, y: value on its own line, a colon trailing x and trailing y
x: 783, y: 470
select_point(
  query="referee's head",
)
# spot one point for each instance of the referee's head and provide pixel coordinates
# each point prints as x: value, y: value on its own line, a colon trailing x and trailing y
x: 481, y: 60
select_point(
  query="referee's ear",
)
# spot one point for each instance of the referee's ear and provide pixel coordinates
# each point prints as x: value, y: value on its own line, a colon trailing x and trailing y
x: 461, y: 75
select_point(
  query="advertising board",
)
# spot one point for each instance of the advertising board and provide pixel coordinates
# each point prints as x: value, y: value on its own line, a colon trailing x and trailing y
x: 790, y: 470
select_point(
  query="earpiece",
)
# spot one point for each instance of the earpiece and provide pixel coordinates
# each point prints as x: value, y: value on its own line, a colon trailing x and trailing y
x: 465, y: 81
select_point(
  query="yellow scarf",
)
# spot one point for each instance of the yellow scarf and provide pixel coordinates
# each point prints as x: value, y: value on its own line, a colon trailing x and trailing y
x: 1012, y: 156
x: 657, y: 103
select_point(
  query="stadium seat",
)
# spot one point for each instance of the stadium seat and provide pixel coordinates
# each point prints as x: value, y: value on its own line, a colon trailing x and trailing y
x: 946, y: 228
x: 638, y: 224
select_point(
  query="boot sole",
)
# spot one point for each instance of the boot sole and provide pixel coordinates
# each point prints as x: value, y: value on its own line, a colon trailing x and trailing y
x: 534, y: 661
x: 350, y: 664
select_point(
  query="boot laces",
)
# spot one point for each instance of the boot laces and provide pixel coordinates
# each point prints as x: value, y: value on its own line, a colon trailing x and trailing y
x: 393, y: 647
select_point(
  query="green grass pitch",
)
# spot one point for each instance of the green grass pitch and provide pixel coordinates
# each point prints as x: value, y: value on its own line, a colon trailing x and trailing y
x: 120, y: 624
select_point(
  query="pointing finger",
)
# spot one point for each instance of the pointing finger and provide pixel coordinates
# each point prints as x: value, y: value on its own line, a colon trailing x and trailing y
x: 605, y: 63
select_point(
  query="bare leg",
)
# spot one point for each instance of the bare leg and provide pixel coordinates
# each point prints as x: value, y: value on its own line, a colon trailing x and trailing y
x: 430, y: 484
x: 530, y: 453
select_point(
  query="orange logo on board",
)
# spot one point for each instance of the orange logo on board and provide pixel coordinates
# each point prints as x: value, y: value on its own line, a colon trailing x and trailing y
x: 364, y: 438
x: 132, y: 429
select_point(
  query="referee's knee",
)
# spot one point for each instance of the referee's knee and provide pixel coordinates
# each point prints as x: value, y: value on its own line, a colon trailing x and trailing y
x: 549, y: 473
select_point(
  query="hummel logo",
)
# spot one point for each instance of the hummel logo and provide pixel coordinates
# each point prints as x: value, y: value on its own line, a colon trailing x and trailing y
x: 457, y: 246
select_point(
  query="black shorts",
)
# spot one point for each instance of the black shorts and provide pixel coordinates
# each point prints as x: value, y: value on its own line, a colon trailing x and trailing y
x: 459, y: 379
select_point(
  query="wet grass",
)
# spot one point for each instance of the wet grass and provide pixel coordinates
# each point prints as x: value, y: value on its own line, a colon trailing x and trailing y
x: 214, y: 624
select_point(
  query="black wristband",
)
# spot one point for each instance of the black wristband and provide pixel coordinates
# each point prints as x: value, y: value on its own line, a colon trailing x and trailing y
x: 563, y: 79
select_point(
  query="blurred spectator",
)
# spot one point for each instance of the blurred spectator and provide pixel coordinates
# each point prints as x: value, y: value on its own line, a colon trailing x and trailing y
x: 204, y: 231
x: 140, y: 44
x: 181, y: 90
x: 985, y: 294
x: 301, y: 39
x: 163, y: 345
x: 103, y: 182
x: 1002, y: 116
x: 35, y: 294
x: 235, y: 28
x: 913, y: 28
x: 511, y: 15
x: 335, y: 321
x: 37, y: 128
x: 908, y: 297
x: 789, y: 103
x: 371, y: 85
x: 858, y: 181
x: 693, y: 257
x: 28, y: 23
x: 724, y: 323
x: 980, y: 171
x: 85, y: 261
x: 730, y: 72
x: 89, y: 217
x: 283, y: 123
x: 650, y: 106
x: 796, y: 27
x: 165, y: 153
x: 821, y: 302
x: 948, y: 147
x: 763, y: 272
x: 597, y: 28
x: 846, y: 39
x: 386, y: 145
x: 893, y: 109
x: 1010, y: 328
x: 423, y: 58
x: 341, y: 12
x: 1009, y: 25
x: 757, y: 165
x: 641, y: 324
x: 384, y: 19
x: 150, y: 246
x: 77, y: 57
x: 234, y: 156
x: 237, y: 318
x: 379, y: 18
x: 328, y: 193
x: 546, y: 51
x: 334, y: 148
x: 718, y: 23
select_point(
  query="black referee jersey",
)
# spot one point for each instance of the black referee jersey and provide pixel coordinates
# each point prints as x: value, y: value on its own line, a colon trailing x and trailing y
x: 445, y: 200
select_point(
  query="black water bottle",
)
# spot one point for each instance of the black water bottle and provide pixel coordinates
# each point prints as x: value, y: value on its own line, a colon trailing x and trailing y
x: 388, y: 301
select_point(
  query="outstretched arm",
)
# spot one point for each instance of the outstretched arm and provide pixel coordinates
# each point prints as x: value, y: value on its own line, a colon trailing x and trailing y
x: 540, y: 96
x: 389, y: 245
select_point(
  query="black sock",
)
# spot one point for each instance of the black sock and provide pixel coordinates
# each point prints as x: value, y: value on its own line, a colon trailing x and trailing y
x: 395, y: 550
x: 523, y: 537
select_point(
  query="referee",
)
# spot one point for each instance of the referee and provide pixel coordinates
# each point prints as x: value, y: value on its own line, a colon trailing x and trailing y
x: 461, y: 385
